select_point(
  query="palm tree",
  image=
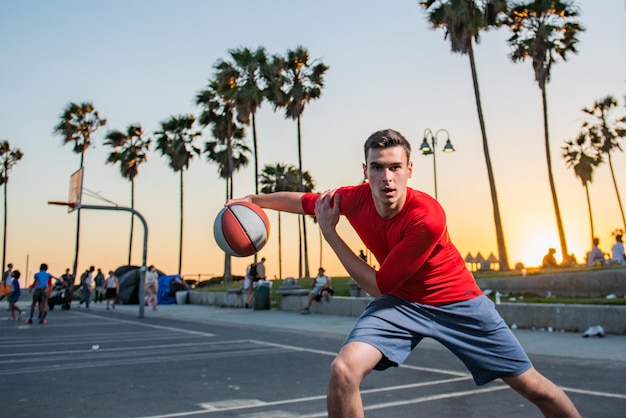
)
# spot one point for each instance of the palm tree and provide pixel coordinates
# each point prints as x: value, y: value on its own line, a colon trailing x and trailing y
x: 217, y: 152
x: 283, y: 178
x: 129, y: 150
x: 8, y: 159
x: 581, y: 155
x: 607, y: 128
x: 544, y: 30
x: 463, y: 20
x: 296, y: 80
x: 218, y: 104
x: 218, y: 112
x: 175, y: 140
x: 76, y: 125
x: 248, y: 69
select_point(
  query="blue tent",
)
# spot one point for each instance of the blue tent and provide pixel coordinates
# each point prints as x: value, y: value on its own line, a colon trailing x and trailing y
x: 166, y: 295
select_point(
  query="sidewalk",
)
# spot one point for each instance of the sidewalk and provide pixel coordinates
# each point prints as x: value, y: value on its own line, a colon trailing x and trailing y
x: 573, y: 345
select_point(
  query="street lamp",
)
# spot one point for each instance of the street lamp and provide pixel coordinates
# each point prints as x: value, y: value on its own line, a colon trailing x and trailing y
x: 428, y: 149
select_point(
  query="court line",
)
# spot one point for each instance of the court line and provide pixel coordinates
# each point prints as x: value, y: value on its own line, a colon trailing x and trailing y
x: 595, y: 393
x: 211, y: 407
x: 329, y: 353
x: 127, y: 321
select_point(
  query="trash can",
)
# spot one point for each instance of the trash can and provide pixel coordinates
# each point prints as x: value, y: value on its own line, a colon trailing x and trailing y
x: 182, y: 296
x: 262, y: 296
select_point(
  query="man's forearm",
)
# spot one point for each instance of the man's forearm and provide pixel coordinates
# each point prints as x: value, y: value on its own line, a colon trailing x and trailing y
x: 360, y: 271
x: 283, y: 201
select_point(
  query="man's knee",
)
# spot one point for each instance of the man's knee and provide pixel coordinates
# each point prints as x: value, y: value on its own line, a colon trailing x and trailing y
x: 534, y: 387
x: 342, y: 375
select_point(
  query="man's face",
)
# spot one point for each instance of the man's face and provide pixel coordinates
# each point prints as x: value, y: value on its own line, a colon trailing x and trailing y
x: 388, y: 172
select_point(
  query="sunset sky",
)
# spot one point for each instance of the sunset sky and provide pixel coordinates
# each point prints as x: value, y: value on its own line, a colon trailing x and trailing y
x: 145, y: 60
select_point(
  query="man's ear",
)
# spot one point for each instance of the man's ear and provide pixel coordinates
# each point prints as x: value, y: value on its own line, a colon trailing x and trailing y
x: 410, y: 168
x: 364, y: 171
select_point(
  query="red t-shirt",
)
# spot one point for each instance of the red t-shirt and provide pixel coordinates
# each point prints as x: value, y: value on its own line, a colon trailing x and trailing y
x: 418, y: 262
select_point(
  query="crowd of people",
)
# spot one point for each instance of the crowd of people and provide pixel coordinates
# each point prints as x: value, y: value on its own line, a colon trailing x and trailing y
x: 92, y: 285
x: 594, y: 258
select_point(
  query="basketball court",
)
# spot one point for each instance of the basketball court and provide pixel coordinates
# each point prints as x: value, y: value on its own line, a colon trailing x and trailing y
x: 112, y: 363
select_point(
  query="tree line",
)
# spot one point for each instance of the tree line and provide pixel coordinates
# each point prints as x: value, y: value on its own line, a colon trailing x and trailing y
x: 228, y: 104
x: 544, y: 32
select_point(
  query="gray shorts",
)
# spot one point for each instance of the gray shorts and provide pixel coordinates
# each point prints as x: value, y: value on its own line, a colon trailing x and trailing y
x: 472, y: 330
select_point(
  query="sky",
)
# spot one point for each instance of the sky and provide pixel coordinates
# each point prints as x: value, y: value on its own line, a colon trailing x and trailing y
x: 144, y: 61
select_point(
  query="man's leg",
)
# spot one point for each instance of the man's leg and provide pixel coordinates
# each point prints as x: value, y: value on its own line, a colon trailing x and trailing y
x: 352, y: 364
x: 548, y: 397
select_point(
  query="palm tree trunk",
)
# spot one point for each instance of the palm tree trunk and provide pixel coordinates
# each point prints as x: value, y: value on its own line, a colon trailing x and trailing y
x: 557, y: 211
x: 256, y: 155
x: 593, y: 234
x: 321, y: 244
x: 132, y: 219
x: 619, y: 200
x: 227, y: 276
x: 502, y: 254
x: 280, y: 248
x: 304, y: 235
x: 180, y: 237
x: 300, y: 255
x: 4, y: 238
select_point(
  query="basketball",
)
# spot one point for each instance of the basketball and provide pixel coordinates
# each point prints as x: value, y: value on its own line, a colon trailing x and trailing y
x: 241, y: 229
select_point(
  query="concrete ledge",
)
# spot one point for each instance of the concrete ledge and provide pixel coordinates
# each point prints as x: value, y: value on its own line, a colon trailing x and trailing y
x: 573, y: 318
x: 585, y: 283
x: 226, y: 299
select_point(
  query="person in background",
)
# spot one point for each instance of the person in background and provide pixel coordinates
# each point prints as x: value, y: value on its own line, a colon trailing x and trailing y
x: 260, y: 269
x: 14, y: 296
x: 152, y: 287
x: 320, y: 284
x: 617, y: 251
x: 549, y: 261
x: 248, y: 288
x: 596, y: 255
x: 40, y: 286
x: 98, y: 287
x: 86, y: 284
x: 6, y: 282
x: 112, y: 289
x: 68, y: 282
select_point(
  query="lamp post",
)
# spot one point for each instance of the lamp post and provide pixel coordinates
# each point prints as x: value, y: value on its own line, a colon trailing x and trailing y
x: 428, y: 149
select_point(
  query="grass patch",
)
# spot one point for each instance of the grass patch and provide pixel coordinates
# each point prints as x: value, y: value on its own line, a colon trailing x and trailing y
x: 342, y: 288
x: 531, y: 298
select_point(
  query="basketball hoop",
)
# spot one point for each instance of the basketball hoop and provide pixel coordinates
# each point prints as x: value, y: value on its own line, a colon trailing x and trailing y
x: 71, y: 206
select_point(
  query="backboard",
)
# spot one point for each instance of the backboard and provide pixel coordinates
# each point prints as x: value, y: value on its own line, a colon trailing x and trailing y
x: 76, y: 190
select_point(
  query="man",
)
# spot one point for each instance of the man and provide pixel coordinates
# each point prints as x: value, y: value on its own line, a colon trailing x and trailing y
x: 319, y: 284
x: 40, y: 296
x: 86, y: 284
x: 68, y: 282
x: 99, y: 286
x: 6, y: 281
x: 260, y: 269
x: 549, y: 260
x: 421, y: 289
x: 596, y: 255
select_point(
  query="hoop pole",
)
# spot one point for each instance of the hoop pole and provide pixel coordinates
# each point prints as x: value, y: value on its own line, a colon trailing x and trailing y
x: 142, y: 278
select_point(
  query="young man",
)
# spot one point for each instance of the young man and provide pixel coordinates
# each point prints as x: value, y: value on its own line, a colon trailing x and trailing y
x: 86, y: 284
x: 319, y: 284
x: 422, y: 288
x: 40, y: 286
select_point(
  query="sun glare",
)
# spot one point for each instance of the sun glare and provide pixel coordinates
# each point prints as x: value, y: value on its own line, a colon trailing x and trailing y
x: 535, y: 247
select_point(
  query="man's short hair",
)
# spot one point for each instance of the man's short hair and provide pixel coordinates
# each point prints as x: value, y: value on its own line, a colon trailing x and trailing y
x: 387, y: 138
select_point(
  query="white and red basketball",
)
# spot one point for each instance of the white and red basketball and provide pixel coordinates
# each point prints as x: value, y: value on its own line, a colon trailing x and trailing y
x: 241, y: 229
